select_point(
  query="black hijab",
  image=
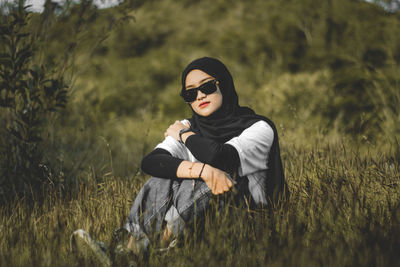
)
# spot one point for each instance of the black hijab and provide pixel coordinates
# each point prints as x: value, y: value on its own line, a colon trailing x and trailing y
x: 231, y: 120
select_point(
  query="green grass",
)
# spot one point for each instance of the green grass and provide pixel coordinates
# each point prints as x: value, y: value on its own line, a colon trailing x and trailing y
x: 344, y: 211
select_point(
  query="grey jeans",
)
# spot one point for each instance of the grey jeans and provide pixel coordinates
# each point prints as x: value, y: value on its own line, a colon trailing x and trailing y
x: 175, y: 201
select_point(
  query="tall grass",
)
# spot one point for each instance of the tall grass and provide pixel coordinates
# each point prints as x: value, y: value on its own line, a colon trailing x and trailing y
x: 386, y: 95
x: 344, y: 211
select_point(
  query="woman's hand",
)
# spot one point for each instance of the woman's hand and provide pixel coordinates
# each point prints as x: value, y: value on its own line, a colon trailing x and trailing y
x: 217, y: 180
x: 173, y: 130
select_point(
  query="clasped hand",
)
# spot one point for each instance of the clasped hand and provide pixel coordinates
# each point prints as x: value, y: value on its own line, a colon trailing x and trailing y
x: 217, y: 180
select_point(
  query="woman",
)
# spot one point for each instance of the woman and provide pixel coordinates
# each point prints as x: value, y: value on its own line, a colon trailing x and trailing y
x: 199, y: 157
x: 220, y: 147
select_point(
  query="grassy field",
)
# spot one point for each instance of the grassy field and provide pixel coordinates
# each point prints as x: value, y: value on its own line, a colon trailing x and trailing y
x: 344, y: 211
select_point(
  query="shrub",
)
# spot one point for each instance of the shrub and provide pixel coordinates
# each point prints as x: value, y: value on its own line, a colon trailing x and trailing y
x: 29, y: 94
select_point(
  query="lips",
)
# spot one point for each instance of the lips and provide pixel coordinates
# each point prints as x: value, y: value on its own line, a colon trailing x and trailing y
x: 204, y: 104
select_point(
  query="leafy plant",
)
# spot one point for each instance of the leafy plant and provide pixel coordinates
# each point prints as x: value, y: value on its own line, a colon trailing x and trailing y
x: 29, y: 94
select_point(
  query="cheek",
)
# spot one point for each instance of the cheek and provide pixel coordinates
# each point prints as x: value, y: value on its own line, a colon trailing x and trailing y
x: 218, y: 100
x: 195, y: 108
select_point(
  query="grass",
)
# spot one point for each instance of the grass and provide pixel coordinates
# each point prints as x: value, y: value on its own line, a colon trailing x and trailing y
x: 344, y: 210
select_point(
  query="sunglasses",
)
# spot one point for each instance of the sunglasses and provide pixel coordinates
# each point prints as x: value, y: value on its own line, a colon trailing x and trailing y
x: 207, y: 88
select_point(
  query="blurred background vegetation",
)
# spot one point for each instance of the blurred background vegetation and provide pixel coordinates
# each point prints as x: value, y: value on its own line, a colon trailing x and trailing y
x: 320, y: 69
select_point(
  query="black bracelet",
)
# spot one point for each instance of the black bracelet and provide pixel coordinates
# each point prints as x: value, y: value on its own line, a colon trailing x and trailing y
x: 182, y: 131
x: 202, y: 168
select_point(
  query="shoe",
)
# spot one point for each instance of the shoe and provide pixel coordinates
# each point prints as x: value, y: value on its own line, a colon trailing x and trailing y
x: 125, y: 250
x: 89, y: 249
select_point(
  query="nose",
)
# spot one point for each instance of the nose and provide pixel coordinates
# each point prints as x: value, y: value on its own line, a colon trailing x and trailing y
x: 200, y: 95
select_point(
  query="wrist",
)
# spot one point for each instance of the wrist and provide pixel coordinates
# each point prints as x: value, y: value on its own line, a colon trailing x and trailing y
x: 184, y: 136
x: 182, y: 132
x: 206, y: 173
x: 196, y: 169
x: 201, y: 171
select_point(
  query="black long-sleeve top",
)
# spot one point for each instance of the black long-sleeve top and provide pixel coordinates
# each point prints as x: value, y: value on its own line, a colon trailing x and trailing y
x: 160, y: 162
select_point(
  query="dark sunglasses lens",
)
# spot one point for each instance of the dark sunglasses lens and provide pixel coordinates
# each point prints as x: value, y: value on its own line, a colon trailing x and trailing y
x: 190, y: 95
x: 209, y: 87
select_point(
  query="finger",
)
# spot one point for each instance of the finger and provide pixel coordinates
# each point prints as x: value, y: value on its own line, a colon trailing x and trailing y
x: 214, y: 184
x: 217, y: 187
x: 225, y: 189
x: 210, y: 186
x: 217, y: 191
x: 229, y: 183
x: 222, y: 189
x: 214, y: 192
x: 225, y: 182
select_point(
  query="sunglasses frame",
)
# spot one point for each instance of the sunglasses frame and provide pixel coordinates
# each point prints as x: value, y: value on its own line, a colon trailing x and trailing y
x: 201, y: 88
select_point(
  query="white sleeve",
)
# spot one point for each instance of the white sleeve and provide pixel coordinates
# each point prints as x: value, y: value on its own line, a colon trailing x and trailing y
x: 173, y: 146
x: 253, y: 146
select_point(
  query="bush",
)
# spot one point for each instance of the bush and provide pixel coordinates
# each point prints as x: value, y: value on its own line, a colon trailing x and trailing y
x: 29, y: 94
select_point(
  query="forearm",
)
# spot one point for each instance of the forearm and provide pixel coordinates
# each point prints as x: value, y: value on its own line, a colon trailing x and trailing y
x: 202, y: 148
x: 188, y: 169
x: 160, y: 163
x: 221, y: 156
x: 217, y: 180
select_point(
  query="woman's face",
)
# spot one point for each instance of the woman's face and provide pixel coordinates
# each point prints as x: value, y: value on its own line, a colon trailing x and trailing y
x: 204, y: 105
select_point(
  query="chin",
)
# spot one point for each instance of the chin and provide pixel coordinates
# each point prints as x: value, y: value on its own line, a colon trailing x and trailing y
x: 204, y: 113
